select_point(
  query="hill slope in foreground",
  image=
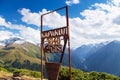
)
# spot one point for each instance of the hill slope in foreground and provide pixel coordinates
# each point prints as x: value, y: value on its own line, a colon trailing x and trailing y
x: 18, y: 53
x: 6, y: 74
x: 24, y: 74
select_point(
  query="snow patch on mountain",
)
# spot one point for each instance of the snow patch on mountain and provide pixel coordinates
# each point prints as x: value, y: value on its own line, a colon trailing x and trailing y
x: 1, y: 44
x: 19, y: 42
x: 9, y: 41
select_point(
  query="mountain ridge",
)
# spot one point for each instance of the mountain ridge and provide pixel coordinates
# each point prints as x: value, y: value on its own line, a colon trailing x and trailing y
x: 20, y: 54
x: 106, y: 59
x: 92, y: 57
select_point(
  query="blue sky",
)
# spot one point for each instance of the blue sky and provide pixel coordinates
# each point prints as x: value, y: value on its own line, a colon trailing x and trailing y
x: 91, y: 21
x: 9, y: 8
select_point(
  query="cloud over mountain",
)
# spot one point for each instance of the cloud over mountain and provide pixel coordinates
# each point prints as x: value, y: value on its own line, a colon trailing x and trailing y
x: 70, y: 2
x: 100, y: 22
x: 25, y: 32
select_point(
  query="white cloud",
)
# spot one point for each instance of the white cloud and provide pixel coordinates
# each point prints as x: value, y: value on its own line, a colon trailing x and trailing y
x: 54, y: 20
x: 100, y: 23
x: 25, y: 32
x: 29, y: 17
x: 116, y: 2
x: 5, y: 35
x: 117, y: 20
x: 34, y: 18
x: 2, y: 21
x: 70, y: 2
x: 31, y: 35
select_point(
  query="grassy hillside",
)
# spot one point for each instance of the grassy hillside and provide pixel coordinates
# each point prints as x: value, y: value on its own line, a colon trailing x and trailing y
x: 28, y: 49
x: 12, y: 55
x: 20, y: 56
x: 76, y: 74
x: 81, y: 75
x: 6, y: 74
x: 27, y: 56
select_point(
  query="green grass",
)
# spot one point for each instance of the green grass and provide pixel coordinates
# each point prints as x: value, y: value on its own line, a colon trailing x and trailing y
x: 64, y: 74
x: 81, y: 75
x: 12, y: 55
x: 22, y: 72
x: 26, y: 72
x: 20, y: 56
x: 30, y: 50
x: 27, y: 51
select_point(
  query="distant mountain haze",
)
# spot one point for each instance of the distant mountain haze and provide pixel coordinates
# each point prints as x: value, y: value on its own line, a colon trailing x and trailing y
x: 106, y: 59
x: 102, y: 57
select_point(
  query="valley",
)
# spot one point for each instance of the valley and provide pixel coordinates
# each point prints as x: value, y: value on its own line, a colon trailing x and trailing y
x: 102, y: 57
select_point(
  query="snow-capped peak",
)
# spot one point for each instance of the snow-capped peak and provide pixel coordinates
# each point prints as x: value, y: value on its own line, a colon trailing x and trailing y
x: 6, y: 42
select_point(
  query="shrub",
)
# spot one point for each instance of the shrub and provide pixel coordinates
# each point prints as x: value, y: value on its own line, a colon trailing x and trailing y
x: 35, y: 74
x: 81, y: 75
x: 28, y: 72
x: 3, y: 69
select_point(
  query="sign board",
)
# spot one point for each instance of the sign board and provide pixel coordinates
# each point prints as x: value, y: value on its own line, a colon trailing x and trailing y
x: 53, y: 70
x: 51, y: 42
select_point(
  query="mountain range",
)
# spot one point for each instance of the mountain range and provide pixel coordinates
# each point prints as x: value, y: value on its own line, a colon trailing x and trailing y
x: 106, y: 59
x: 15, y: 52
x: 102, y: 57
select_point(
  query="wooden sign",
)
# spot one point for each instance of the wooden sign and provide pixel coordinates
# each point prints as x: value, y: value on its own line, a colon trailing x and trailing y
x: 53, y: 70
x: 55, y: 32
x: 53, y: 45
x: 54, y: 41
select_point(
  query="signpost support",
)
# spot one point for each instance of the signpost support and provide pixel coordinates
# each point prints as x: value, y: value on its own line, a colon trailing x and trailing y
x: 51, y: 43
